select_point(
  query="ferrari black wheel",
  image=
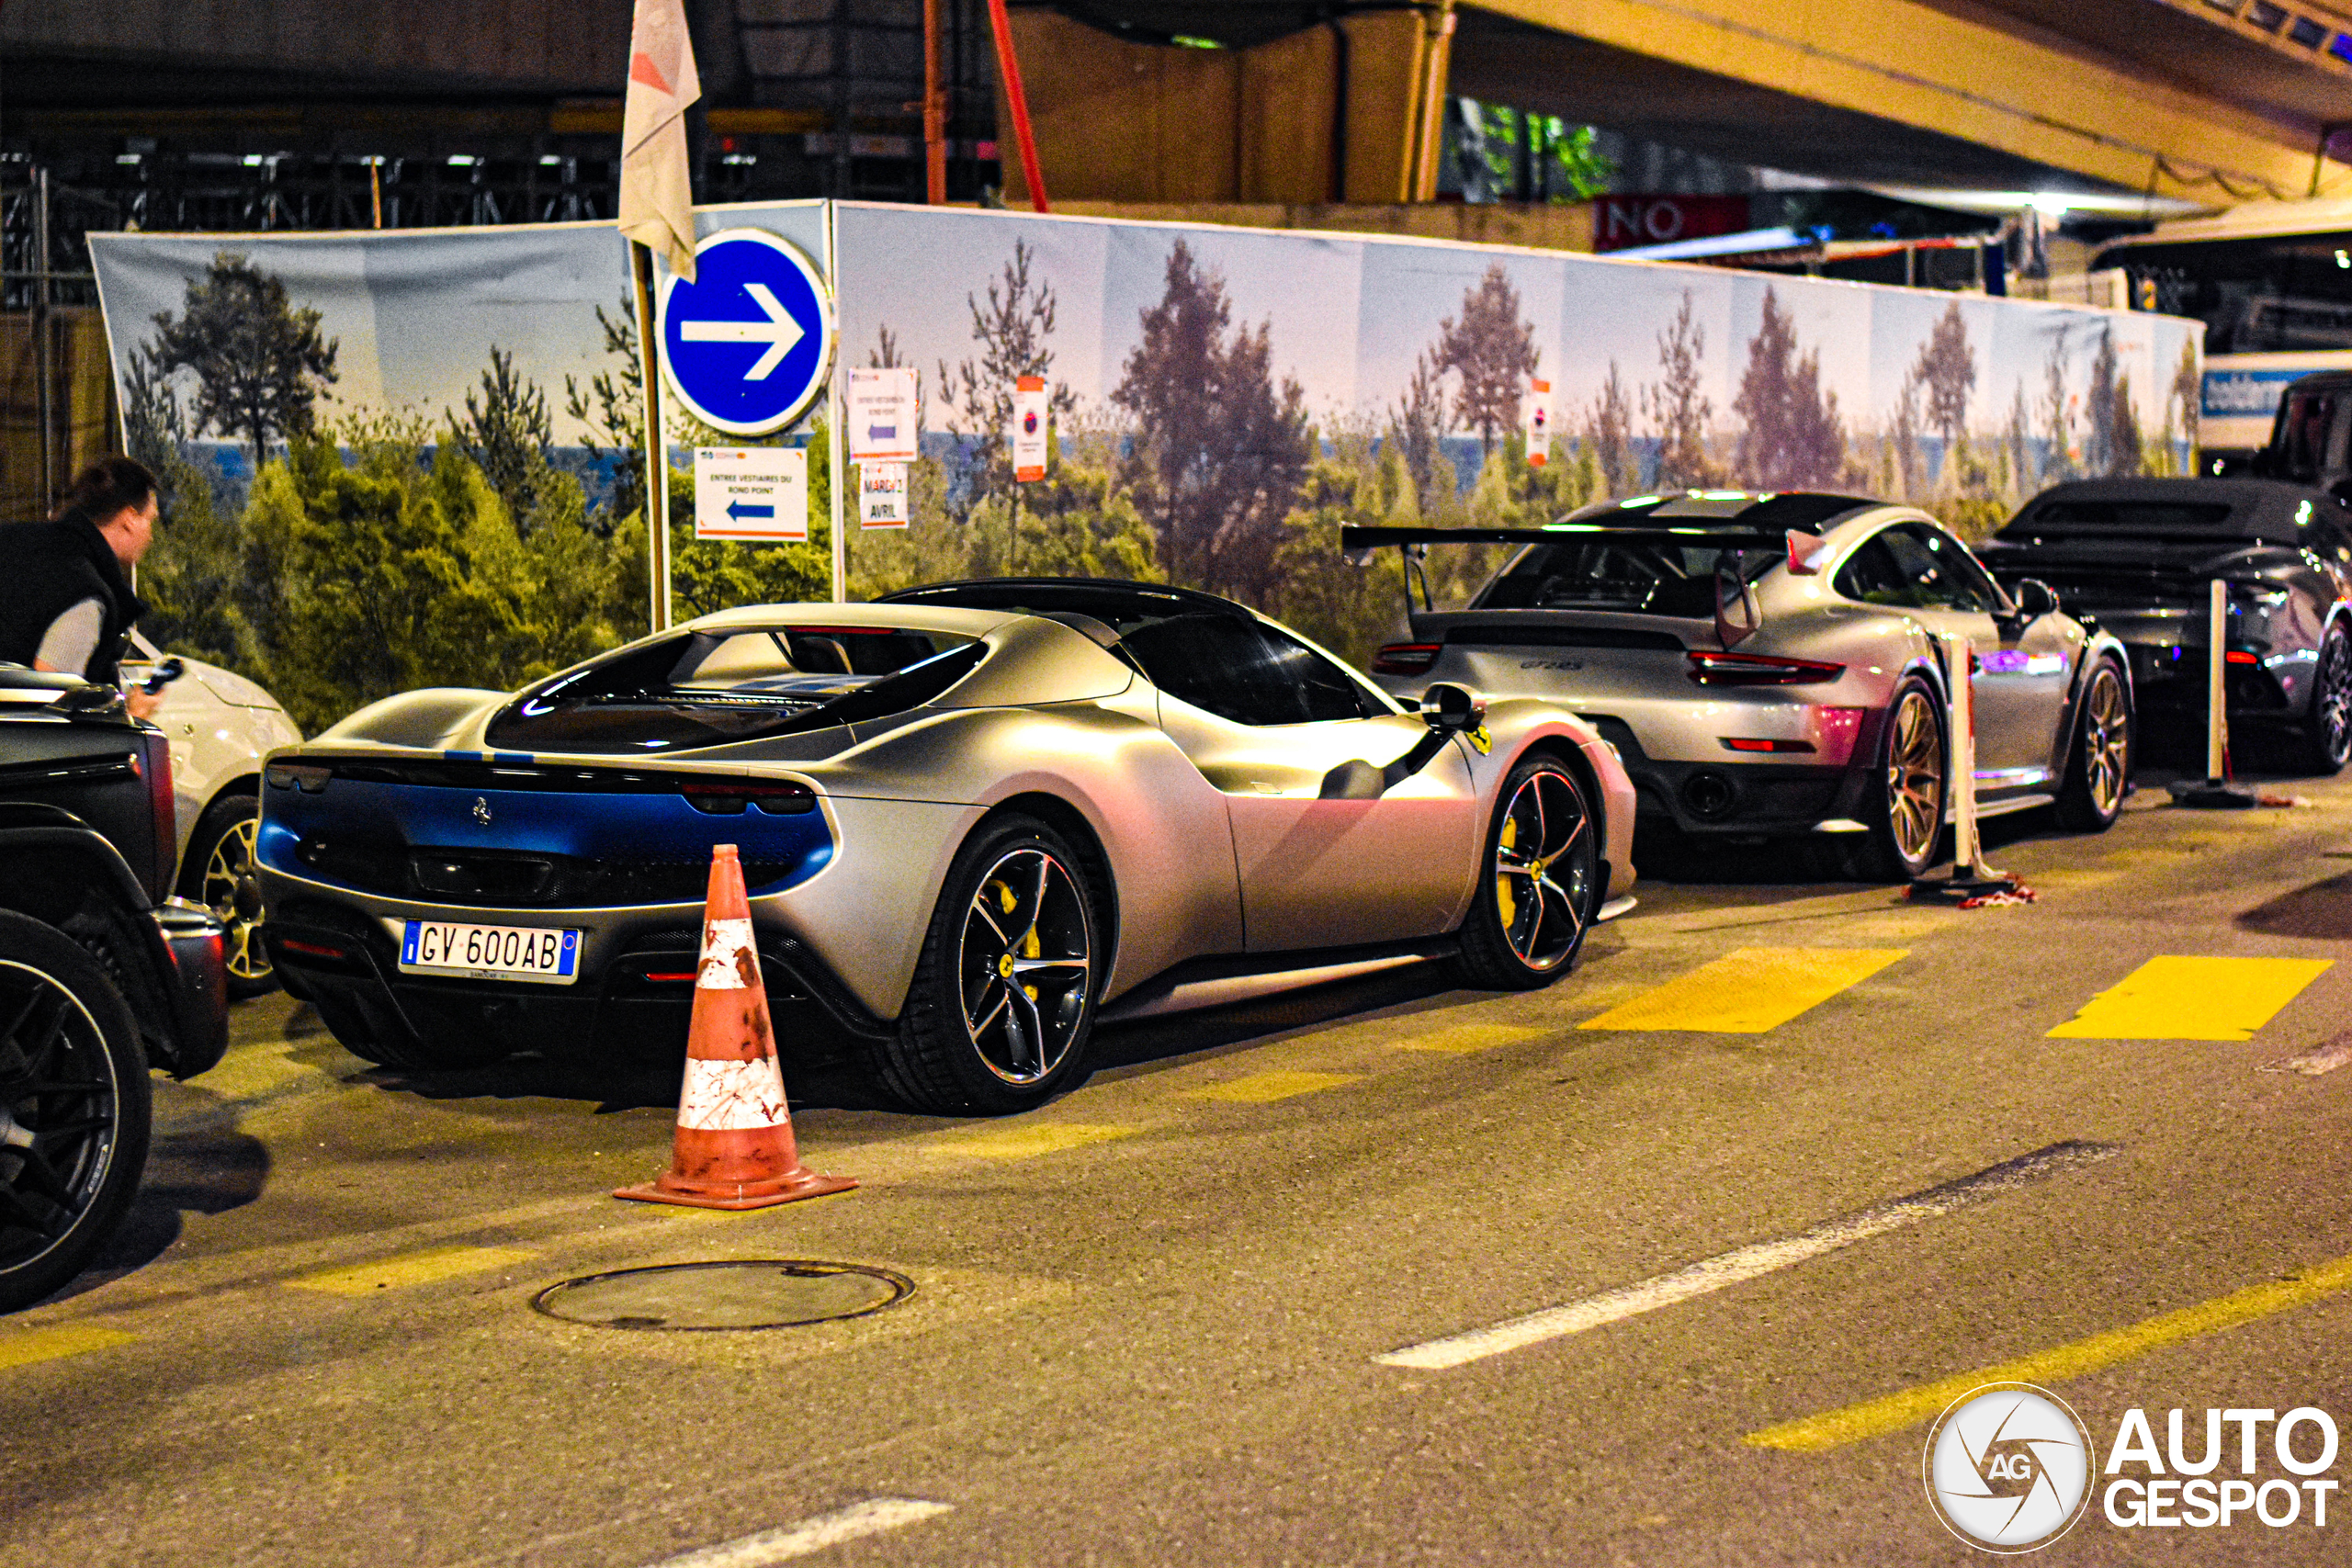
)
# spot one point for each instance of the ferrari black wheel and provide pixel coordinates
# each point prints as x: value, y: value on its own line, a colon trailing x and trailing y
x: 75, y: 1109
x: 2098, y: 764
x: 1907, y: 805
x: 2327, y: 736
x: 218, y: 873
x: 1002, y: 1003
x: 1538, y: 886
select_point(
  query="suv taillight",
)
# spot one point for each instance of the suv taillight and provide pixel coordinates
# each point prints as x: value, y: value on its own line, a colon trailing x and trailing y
x: 161, y: 806
x: 1709, y: 669
x: 1406, y: 658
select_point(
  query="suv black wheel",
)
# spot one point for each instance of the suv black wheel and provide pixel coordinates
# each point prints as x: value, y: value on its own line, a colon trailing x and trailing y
x: 2098, y: 764
x: 75, y: 1109
x: 2326, y: 738
x: 218, y: 873
x: 1539, y: 884
x: 1002, y: 1003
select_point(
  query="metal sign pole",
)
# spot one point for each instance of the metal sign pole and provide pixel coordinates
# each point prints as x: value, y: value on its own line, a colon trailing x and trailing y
x: 837, y: 472
x: 657, y: 450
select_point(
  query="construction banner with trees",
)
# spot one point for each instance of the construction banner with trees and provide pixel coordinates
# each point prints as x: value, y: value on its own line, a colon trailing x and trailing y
x: 412, y: 459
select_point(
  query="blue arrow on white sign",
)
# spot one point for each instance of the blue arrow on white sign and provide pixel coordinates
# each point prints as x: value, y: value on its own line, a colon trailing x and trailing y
x: 746, y: 347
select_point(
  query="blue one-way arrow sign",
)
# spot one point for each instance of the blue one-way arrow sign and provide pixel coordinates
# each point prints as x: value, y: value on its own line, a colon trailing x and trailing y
x: 747, y: 345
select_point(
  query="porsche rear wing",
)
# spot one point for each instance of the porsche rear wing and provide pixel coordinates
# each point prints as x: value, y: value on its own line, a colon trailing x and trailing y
x: 1357, y: 543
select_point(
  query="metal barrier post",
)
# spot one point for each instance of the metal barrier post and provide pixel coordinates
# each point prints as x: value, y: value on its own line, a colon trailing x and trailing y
x: 1970, y: 878
x: 2214, y: 792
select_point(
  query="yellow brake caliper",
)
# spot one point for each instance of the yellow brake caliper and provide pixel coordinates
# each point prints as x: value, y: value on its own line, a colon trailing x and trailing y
x: 1507, y: 900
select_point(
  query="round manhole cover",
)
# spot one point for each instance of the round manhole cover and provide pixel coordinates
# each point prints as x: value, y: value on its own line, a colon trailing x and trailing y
x: 768, y: 1293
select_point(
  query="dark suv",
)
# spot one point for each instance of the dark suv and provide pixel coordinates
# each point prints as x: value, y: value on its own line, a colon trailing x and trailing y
x: 102, y: 973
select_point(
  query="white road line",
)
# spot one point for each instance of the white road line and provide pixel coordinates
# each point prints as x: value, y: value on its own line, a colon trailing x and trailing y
x: 2319, y: 1059
x: 1745, y: 1263
x: 809, y: 1535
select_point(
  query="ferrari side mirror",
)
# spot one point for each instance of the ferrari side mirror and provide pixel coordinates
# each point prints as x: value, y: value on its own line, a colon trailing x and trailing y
x: 1451, y: 709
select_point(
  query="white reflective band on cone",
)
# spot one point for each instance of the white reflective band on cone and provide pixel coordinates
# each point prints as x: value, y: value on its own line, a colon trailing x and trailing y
x: 729, y: 1096
x: 721, y: 941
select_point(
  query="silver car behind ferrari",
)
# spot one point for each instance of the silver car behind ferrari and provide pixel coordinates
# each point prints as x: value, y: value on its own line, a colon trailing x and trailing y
x: 970, y: 818
x: 1767, y: 667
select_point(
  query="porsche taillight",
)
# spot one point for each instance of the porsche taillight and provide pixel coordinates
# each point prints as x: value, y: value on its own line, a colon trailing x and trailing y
x: 1713, y: 668
x: 1406, y: 658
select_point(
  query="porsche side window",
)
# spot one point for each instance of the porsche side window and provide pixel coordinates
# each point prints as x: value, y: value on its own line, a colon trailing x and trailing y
x: 2301, y: 446
x: 1871, y: 576
x: 1243, y: 671
x: 1917, y: 567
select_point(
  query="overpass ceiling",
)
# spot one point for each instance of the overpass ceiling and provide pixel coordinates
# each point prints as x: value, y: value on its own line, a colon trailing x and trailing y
x: 1648, y: 96
x: 2209, y: 46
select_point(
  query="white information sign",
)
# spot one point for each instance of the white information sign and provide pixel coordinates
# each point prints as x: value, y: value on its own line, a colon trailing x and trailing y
x: 882, y: 495
x: 752, y: 492
x: 884, y: 416
x: 1537, y: 412
x: 1031, y: 415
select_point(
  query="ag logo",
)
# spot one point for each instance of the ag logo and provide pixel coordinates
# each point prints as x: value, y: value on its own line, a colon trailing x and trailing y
x: 2008, y: 1468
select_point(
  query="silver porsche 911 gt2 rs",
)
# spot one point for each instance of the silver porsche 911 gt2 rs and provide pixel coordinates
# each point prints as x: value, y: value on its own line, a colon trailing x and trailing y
x: 970, y: 818
x: 1767, y: 666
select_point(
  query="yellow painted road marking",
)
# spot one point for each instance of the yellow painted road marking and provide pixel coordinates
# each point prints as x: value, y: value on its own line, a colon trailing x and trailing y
x: 413, y: 1269
x: 2193, y: 998
x: 1749, y: 990
x: 1262, y: 1088
x: 1464, y: 1038
x: 1877, y: 1418
x: 48, y: 1344
x: 1027, y: 1143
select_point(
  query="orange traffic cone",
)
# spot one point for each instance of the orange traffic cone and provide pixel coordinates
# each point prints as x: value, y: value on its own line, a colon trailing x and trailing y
x: 734, y: 1147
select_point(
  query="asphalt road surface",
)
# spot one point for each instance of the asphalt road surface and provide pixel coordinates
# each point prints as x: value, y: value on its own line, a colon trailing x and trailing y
x: 1619, y: 1272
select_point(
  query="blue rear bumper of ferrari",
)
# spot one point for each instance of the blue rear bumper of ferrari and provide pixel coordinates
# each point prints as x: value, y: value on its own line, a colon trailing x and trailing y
x: 352, y: 850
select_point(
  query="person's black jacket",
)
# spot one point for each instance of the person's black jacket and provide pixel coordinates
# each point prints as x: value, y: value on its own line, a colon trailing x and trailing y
x: 49, y: 568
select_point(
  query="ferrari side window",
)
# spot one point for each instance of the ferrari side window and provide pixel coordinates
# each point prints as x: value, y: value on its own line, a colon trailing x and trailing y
x: 1242, y: 671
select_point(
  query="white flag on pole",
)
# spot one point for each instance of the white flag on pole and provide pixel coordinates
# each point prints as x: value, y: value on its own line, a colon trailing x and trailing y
x: 657, y: 198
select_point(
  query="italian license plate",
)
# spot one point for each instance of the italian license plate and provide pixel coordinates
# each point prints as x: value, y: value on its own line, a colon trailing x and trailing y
x: 491, y: 952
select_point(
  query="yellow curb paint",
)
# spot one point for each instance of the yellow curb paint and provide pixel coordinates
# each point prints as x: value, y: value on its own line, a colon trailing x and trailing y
x: 52, y: 1344
x: 1464, y: 1038
x: 1263, y: 1088
x: 1027, y: 1143
x: 2193, y: 998
x: 1749, y: 990
x: 412, y: 1269
x: 1877, y: 1418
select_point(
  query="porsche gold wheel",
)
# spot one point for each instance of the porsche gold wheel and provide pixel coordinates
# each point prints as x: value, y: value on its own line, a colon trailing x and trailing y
x: 2098, y: 771
x: 220, y: 874
x: 1908, y: 807
x: 74, y: 1108
x: 1002, y: 1002
x: 1542, y: 882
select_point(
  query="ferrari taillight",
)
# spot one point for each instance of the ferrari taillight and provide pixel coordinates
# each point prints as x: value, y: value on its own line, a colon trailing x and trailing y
x: 1711, y: 669
x: 1406, y: 658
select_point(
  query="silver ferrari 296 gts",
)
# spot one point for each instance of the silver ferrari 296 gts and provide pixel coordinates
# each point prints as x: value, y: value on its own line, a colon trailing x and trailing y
x: 1767, y: 666
x: 971, y: 818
